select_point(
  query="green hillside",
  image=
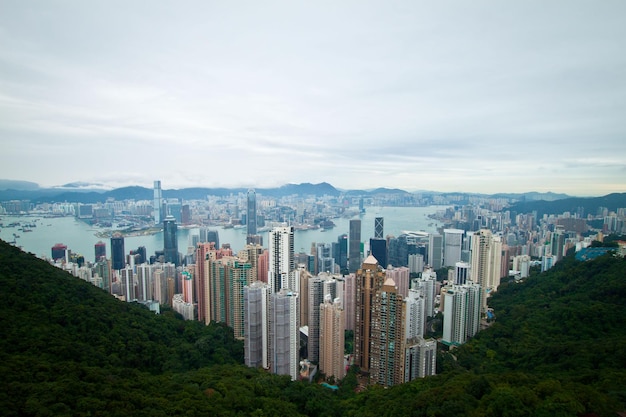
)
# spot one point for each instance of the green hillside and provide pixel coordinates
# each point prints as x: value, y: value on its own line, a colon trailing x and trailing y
x: 67, y: 348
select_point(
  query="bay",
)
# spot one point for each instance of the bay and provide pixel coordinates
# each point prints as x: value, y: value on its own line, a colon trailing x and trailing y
x: 80, y: 237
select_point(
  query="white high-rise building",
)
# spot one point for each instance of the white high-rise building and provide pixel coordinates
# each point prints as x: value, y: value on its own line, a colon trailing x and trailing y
x: 282, y: 270
x: 285, y: 333
x: 256, y: 322
x: 486, y: 263
x: 461, y: 273
x: 416, y: 263
x: 461, y: 316
x: 427, y: 285
x: 453, y: 240
x: 415, y: 314
x: 158, y: 203
x: 420, y: 358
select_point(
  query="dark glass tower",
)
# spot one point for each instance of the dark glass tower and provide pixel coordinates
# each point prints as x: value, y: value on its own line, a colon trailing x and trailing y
x: 117, y: 252
x: 378, y: 228
x: 100, y: 250
x: 170, y: 240
x: 354, y: 253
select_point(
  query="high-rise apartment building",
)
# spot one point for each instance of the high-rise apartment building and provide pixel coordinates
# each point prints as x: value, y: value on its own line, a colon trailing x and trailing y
x: 461, y: 273
x: 228, y: 276
x: 284, y: 333
x: 354, y: 252
x: 415, y: 314
x: 486, y: 262
x: 282, y: 273
x: 387, y: 336
x: 118, y: 257
x: 369, y: 279
x: 461, y: 315
x: 349, y: 300
x: 420, y: 358
x: 158, y: 203
x: 256, y: 301
x: 332, y: 338
x: 170, y: 241
x: 319, y: 287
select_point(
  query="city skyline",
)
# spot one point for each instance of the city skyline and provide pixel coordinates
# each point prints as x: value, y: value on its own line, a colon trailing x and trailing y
x: 485, y: 97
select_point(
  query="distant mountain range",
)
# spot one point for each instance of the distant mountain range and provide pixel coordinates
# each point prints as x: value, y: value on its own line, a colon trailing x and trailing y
x: 583, y: 206
x: 82, y: 192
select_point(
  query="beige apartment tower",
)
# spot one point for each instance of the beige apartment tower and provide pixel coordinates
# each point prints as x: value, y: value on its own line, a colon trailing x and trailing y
x: 332, y: 338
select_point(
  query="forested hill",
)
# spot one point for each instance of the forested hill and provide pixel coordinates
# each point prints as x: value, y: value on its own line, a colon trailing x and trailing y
x: 67, y: 348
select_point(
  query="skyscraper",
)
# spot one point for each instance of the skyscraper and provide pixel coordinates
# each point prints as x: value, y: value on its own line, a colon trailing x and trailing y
x: 369, y: 279
x: 419, y: 358
x: 118, y: 256
x: 100, y: 250
x: 332, y: 338
x: 435, y: 243
x: 379, y: 228
x: 158, y: 203
x: 387, y: 336
x: 461, y: 315
x: 256, y: 298
x: 319, y: 287
x: 461, y: 273
x: 170, y: 240
x: 486, y: 262
x: 415, y: 314
x: 341, y: 257
x: 378, y: 249
x: 354, y: 252
x: 284, y: 333
x: 453, y: 241
x: 282, y: 272
x: 251, y: 212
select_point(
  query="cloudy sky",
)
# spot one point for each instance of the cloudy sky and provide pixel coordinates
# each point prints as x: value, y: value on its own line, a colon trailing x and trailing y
x: 476, y: 96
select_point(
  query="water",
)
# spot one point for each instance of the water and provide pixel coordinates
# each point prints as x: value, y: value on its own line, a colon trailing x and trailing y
x: 80, y: 237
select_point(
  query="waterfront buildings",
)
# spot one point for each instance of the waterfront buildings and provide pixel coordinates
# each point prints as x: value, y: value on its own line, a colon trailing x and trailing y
x: 118, y: 256
x: 158, y: 203
x: 170, y: 240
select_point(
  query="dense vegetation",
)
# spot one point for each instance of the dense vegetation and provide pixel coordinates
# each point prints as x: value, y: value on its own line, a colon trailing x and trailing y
x: 558, y: 347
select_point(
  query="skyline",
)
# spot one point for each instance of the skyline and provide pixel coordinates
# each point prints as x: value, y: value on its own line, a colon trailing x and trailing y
x: 483, y: 97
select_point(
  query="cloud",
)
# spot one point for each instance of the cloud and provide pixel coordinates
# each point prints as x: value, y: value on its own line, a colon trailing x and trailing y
x: 485, y: 96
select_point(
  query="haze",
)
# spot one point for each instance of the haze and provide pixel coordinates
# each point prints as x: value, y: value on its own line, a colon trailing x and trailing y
x: 484, y: 96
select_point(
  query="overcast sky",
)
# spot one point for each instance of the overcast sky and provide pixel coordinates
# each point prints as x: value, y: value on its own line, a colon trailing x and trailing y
x: 475, y: 96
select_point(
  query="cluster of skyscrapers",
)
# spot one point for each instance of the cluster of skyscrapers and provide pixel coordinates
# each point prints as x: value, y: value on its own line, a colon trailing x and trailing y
x: 293, y: 309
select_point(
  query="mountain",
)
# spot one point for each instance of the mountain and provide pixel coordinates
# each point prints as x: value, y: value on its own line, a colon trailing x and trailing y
x: 558, y: 348
x: 18, y: 185
x: 586, y: 206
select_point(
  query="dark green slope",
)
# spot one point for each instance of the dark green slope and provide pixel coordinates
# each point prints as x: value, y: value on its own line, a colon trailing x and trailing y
x: 67, y: 348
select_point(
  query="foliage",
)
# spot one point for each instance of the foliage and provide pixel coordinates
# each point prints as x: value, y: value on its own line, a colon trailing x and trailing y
x: 558, y: 348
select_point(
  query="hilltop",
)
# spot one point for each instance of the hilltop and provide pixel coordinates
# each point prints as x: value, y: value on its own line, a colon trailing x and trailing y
x: 66, y: 347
